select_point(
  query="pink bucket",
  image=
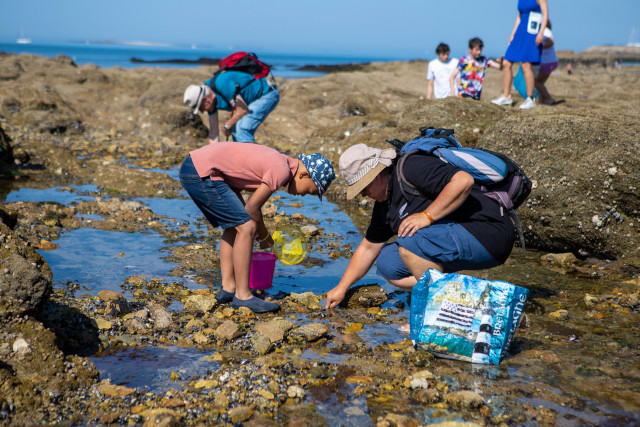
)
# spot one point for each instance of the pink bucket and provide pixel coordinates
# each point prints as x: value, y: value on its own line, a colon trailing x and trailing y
x: 263, y: 265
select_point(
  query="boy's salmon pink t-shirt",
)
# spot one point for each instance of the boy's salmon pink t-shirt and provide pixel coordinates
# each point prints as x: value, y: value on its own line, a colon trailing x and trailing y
x: 244, y: 166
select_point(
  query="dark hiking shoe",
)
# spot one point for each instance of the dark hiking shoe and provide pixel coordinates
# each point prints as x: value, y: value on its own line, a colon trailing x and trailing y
x: 255, y: 304
x: 224, y: 297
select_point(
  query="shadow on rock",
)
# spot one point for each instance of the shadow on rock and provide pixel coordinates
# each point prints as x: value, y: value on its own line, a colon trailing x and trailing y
x: 75, y: 333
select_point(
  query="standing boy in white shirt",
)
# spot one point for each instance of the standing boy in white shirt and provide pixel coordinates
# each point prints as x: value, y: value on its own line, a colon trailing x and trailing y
x: 439, y: 72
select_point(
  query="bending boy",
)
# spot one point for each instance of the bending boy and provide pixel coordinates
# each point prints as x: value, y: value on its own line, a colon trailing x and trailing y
x: 215, y: 174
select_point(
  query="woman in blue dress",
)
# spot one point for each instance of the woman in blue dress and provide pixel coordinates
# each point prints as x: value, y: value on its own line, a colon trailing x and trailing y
x: 525, y: 46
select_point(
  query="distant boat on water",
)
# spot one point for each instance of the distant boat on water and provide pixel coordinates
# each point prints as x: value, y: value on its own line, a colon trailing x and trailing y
x: 633, y: 37
x: 22, y: 39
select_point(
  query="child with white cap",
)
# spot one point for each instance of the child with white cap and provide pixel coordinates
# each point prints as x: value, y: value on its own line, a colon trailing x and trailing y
x: 449, y: 226
x: 215, y: 174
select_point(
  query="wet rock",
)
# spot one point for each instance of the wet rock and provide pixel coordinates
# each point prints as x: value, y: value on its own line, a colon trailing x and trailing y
x: 364, y: 296
x: 21, y: 346
x: 266, y: 394
x: 456, y: 424
x: 118, y: 307
x: 559, y: 315
x: 269, y: 209
x: 228, y: 330
x: 309, y: 230
x: 140, y: 315
x: 200, y: 303
x: 6, y: 151
x: 107, y: 295
x: 206, y: 384
x: 240, y: 414
x: 567, y: 211
x: 351, y: 338
x: 103, y: 324
x: 420, y: 379
x: 260, y: 343
x: 427, y: 396
x: 354, y: 411
x: 464, y: 399
x: 160, y: 417
x: 201, y: 338
x: 397, y: 420
x: 174, y: 402
x: 560, y: 259
x: 295, y: 392
x: 307, y: 299
x: 23, y: 287
x: 9, y: 221
x: 590, y: 300
x: 420, y: 358
x: 321, y: 371
x: 353, y: 327
x: 311, y: 331
x: 194, y: 324
x: 546, y: 357
x: 114, y: 391
x: 275, y: 329
x: 359, y: 379
x: 46, y: 245
x: 162, y: 320
x: 110, y: 418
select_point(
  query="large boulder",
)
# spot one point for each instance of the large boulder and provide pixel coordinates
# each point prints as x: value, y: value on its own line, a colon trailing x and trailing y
x: 25, y: 277
x: 6, y: 152
x: 584, y: 168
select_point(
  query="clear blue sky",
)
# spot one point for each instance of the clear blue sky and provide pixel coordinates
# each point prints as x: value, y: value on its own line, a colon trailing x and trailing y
x: 399, y: 28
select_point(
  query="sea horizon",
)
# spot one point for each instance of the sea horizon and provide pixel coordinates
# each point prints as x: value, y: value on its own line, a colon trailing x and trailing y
x: 108, y: 54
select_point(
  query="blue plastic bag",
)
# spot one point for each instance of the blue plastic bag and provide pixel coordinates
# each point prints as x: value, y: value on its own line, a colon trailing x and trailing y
x: 521, y: 86
x: 463, y: 317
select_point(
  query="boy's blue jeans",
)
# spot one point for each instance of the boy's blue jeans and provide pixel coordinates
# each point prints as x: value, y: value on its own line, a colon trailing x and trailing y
x: 259, y: 109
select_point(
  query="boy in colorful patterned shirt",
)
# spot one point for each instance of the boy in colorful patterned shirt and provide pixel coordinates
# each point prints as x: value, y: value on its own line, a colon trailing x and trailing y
x: 472, y: 68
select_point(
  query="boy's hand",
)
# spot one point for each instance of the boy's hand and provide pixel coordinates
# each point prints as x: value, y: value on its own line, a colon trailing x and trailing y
x: 266, y: 243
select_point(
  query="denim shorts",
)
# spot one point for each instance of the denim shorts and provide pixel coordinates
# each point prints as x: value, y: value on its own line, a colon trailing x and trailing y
x: 445, y: 242
x: 218, y: 202
x: 259, y: 109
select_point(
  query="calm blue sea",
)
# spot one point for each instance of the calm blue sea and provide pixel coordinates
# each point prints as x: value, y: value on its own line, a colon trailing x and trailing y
x: 107, y: 55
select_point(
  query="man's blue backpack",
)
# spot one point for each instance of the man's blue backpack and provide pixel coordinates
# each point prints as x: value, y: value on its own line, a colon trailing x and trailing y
x: 495, y: 174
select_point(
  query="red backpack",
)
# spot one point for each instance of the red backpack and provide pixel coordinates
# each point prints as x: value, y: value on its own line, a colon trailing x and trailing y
x: 245, y: 63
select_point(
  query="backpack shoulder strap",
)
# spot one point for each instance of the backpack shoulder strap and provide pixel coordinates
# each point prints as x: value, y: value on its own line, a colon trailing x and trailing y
x: 405, y: 186
x: 213, y: 85
x: 218, y: 93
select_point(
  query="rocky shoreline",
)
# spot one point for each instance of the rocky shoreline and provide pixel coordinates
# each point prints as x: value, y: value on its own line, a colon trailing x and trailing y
x: 574, y: 357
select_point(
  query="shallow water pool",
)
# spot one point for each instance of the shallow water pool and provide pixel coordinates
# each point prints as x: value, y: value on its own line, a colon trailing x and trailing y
x: 151, y: 367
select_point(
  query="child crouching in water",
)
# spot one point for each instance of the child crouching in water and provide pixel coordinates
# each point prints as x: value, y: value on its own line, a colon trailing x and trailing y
x: 215, y: 174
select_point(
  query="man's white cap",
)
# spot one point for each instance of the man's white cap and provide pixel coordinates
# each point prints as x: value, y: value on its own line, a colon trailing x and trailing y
x: 193, y: 97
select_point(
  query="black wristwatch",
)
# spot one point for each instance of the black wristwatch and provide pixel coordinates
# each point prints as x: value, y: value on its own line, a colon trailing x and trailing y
x: 225, y: 127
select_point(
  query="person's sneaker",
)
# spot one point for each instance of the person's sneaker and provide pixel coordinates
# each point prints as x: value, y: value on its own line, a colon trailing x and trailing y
x: 502, y: 100
x: 255, y: 304
x: 528, y: 104
x: 224, y: 297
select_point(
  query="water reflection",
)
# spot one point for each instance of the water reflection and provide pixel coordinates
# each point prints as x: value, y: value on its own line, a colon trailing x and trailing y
x: 62, y: 195
x: 151, y: 367
x: 103, y: 259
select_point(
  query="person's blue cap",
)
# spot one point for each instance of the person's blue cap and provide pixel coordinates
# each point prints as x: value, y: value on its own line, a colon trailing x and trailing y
x: 320, y: 170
